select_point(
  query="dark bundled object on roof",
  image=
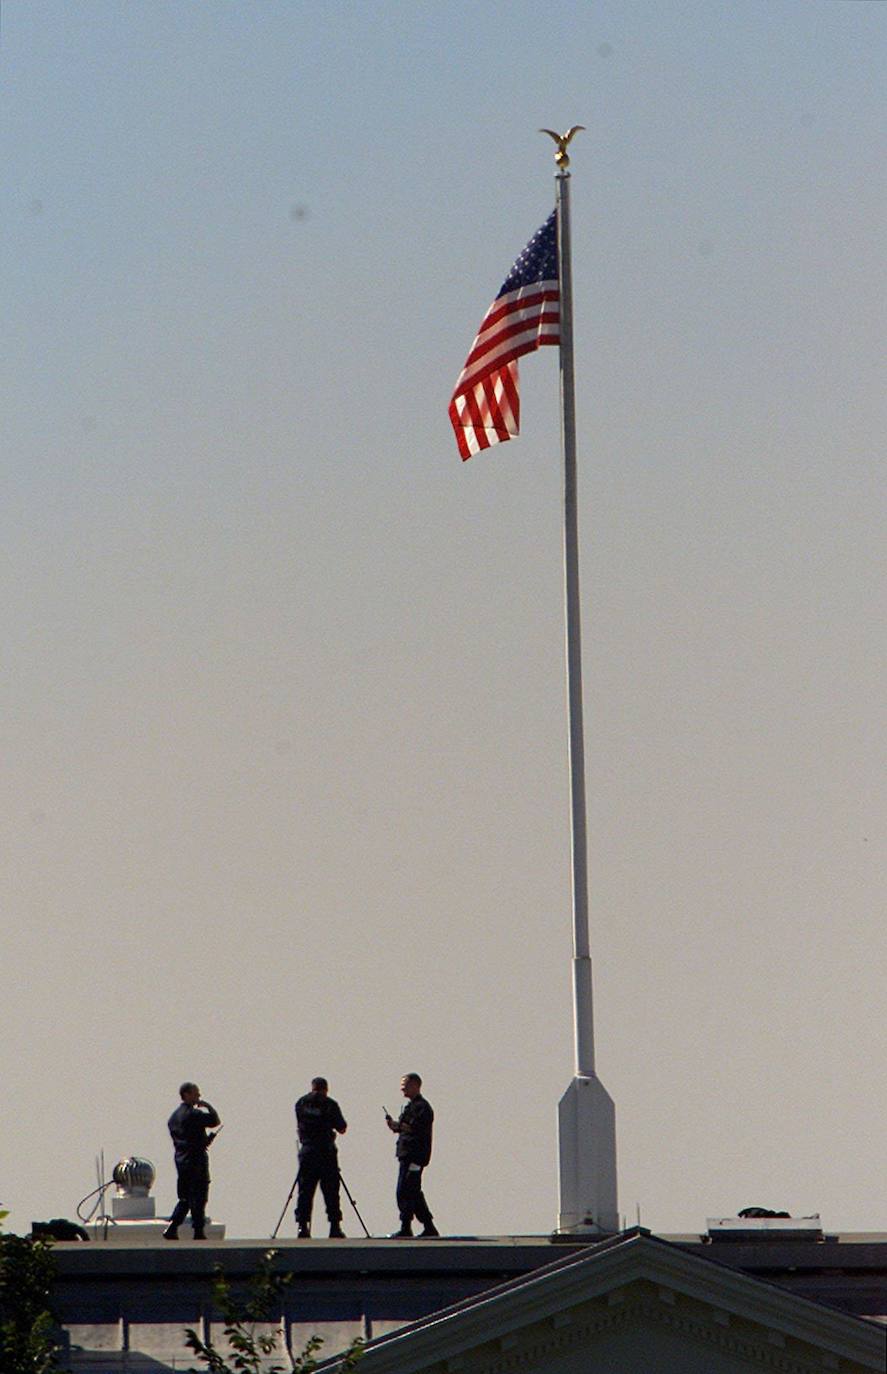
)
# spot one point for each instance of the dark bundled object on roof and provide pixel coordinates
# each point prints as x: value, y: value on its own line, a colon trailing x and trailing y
x: 57, y: 1229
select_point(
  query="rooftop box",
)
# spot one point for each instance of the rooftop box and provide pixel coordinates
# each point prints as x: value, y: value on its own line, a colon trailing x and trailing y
x: 760, y: 1228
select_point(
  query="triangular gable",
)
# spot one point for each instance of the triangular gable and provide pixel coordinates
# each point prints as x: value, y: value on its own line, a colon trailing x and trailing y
x: 634, y: 1297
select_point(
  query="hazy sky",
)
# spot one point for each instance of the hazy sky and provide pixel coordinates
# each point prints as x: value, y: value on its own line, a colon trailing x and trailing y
x: 283, y: 729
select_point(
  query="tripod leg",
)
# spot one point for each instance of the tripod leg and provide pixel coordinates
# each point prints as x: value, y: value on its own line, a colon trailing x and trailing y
x: 354, y: 1205
x: 285, y: 1205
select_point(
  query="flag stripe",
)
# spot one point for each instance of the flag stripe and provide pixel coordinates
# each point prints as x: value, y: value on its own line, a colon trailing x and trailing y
x: 542, y: 319
x: 488, y: 345
x: 524, y: 299
x: 511, y: 343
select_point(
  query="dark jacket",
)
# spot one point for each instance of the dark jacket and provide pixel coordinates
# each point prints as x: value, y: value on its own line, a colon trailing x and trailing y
x: 318, y: 1118
x: 188, y: 1126
x: 414, y: 1136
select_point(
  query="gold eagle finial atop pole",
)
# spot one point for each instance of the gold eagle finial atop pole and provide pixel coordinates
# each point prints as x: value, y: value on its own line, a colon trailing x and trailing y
x: 561, y: 157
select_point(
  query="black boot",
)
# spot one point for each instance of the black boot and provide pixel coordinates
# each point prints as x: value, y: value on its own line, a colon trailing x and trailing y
x: 336, y: 1232
x: 171, y: 1232
x: 430, y: 1231
x: 304, y: 1232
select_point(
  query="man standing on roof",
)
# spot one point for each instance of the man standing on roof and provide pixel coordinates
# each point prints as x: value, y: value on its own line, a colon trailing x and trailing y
x: 319, y: 1120
x: 188, y: 1128
x: 413, y: 1150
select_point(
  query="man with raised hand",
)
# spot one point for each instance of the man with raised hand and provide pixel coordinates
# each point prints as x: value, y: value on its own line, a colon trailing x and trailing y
x: 188, y: 1127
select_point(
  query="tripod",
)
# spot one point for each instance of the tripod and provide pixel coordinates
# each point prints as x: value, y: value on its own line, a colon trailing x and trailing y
x: 289, y: 1199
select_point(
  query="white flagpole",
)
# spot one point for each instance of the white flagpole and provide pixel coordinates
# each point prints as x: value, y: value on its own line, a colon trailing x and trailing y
x: 586, y: 1115
x: 583, y: 1018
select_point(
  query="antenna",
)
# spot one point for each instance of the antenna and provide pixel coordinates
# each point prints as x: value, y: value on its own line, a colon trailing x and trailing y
x: 99, y: 1194
x: 103, y: 1216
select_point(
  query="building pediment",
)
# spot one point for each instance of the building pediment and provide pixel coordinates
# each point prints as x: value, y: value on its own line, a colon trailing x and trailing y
x: 632, y: 1304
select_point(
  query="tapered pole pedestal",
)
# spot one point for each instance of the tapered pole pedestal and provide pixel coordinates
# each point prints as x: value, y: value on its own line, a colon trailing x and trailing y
x: 586, y: 1129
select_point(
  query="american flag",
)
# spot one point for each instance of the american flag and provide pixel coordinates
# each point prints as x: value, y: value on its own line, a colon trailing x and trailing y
x: 485, y: 408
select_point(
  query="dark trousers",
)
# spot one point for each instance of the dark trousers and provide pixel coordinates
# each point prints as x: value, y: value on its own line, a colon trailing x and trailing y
x: 318, y: 1166
x: 193, y: 1191
x: 410, y: 1198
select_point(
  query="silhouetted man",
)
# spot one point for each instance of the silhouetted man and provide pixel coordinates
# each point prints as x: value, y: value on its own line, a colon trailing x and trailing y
x: 188, y: 1128
x: 319, y: 1120
x: 413, y: 1129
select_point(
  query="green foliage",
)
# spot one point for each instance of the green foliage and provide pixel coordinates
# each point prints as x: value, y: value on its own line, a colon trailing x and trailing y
x: 27, y: 1329
x: 246, y: 1351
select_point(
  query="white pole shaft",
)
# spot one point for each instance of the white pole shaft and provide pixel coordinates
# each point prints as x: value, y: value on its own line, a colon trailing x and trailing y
x: 582, y: 986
